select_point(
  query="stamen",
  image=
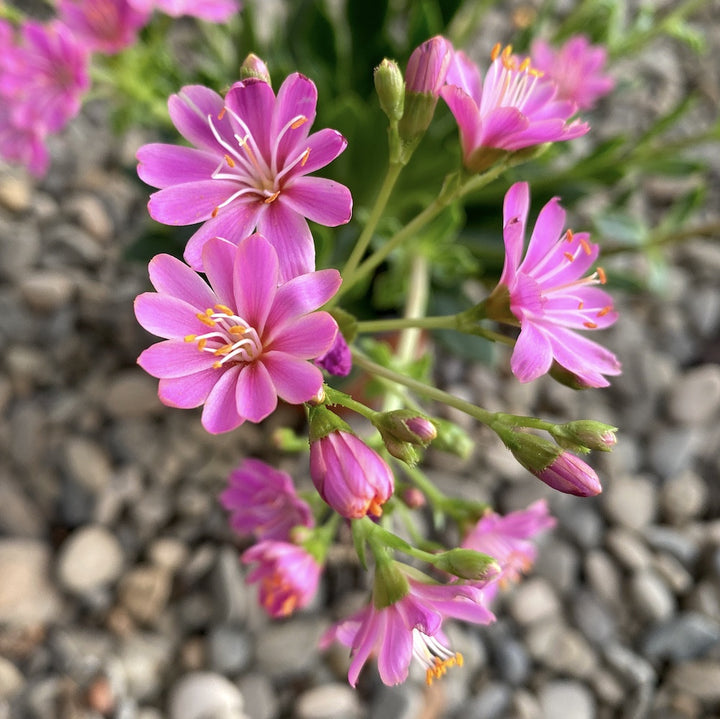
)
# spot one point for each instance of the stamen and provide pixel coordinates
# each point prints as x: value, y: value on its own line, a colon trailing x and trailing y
x: 569, y: 256
x: 586, y: 246
x: 190, y: 338
x: 205, y: 319
x: 299, y: 122
x: 604, y: 311
x: 229, y: 161
x: 225, y: 310
x: 581, y: 304
x: 590, y: 325
x: 272, y: 197
x: 238, y: 330
x: 375, y: 508
x: 495, y: 51
x: 305, y: 156
x: 601, y: 275
x: 569, y: 235
x: 524, y: 65
x: 221, y: 114
x: 225, y: 349
x: 201, y: 343
x: 215, y: 211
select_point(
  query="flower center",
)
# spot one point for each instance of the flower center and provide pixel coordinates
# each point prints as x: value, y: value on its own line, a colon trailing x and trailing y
x: 434, y: 656
x: 231, y: 338
x: 515, y: 81
x: 245, y: 164
x: 275, y: 588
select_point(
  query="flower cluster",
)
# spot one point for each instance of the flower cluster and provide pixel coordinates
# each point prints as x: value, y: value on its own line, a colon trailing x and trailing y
x: 45, y: 66
x: 264, y: 325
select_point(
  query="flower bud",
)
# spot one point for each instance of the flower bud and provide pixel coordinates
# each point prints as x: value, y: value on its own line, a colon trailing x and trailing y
x: 254, y: 68
x: 553, y: 465
x: 338, y: 359
x: 467, y: 564
x: 407, y: 426
x: 451, y: 438
x: 390, y: 586
x: 390, y: 88
x: 585, y: 434
x: 404, y: 451
x: 413, y: 498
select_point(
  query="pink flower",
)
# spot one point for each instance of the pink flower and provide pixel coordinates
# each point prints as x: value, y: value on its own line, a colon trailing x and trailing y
x: 577, y: 68
x: 209, y: 10
x: 338, y: 359
x: 352, y: 478
x: 428, y: 66
x: 249, y: 169
x: 410, y: 627
x: 549, y: 296
x: 241, y: 343
x: 288, y: 576
x: 262, y: 501
x: 507, y: 540
x: 515, y: 107
x: 105, y: 26
x: 44, y: 77
x: 569, y: 474
x: 22, y: 145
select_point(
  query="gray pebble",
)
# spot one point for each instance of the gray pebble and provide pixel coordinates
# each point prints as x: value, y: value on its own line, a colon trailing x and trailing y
x: 701, y: 679
x: 87, y: 464
x: 695, y: 397
x: 561, y: 699
x: 144, y: 592
x: 46, y: 290
x: 328, y: 701
x: 679, y: 544
x: 683, y: 497
x: 687, y: 636
x: 89, y: 559
x: 558, y: 562
x: 260, y: 698
x: 511, y: 660
x: 404, y: 701
x: 603, y: 576
x: 230, y: 649
x: 491, y: 702
x: 144, y: 659
x: 583, y: 524
x: 533, y: 600
x: 653, y: 599
x: 131, y: 394
x: 671, y: 450
x: 594, y: 619
x: 630, y: 501
x: 11, y: 680
x: 288, y: 649
x: 628, y: 548
x: 201, y: 695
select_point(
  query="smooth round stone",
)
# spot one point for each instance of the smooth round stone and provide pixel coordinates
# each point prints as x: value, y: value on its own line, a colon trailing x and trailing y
x: 533, y: 600
x: 565, y: 698
x: 628, y: 548
x: 603, y: 576
x: 701, y: 679
x: 572, y: 655
x: 200, y: 695
x: 683, y: 497
x: 90, y: 558
x: 144, y: 591
x: 403, y: 701
x: 695, y: 397
x: 491, y: 702
x: 131, y: 394
x: 687, y: 636
x: 328, y: 701
x: 16, y: 192
x: 671, y: 450
x: 512, y: 661
x: 87, y: 464
x: 289, y: 649
x: 46, y: 290
x: 594, y: 619
x: 558, y: 562
x: 260, y: 697
x: 631, y: 501
x: 11, y: 680
x: 652, y: 597
x: 230, y: 649
x: 144, y: 659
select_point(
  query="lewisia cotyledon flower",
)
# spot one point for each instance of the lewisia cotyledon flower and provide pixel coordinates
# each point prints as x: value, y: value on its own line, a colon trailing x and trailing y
x: 352, y: 478
x: 410, y: 628
x: 549, y: 295
x: 513, y: 108
x: 288, y: 576
x: 508, y: 540
x: 576, y: 68
x: 105, y: 26
x: 569, y: 474
x: 262, y: 501
x: 208, y: 10
x: 44, y: 76
x: 248, y: 169
x: 240, y: 343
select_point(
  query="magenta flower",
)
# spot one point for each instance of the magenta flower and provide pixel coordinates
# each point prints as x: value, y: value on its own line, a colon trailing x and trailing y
x: 105, y: 26
x: 249, y: 169
x: 288, y: 576
x: 338, y: 359
x: 569, y: 474
x: 508, y: 540
x: 428, y: 65
x: 410, y: 627
x: 262, y: 501
x: 241, y: 343
x: 209, y: 10
x: 22, y: 145
x: 515, y: 107
x: 44, y: 77
x: 549, y: 296
x: 576, y: 68
x: 352, y: 478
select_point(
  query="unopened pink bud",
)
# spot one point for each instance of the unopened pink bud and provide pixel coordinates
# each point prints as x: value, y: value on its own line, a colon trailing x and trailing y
x: 254, y: 67
x: 428, y: 66
x: 422, y: 428
x: 568, y: 473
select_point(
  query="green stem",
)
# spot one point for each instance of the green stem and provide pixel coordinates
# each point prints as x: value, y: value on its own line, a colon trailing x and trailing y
x: 415, y: 308
x: 366, y: 235
x: 335, y: 397
x: 447, y: 322
x: 482, y: 415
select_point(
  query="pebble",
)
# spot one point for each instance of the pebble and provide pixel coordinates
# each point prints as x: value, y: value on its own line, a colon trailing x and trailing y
x: 695, y: 397
x: 628, y: 548
x: 491, y: 702
x: 11, y: 680
x: 511, y: 660
x: 604, y: 577
x: 90, y: 558
x: 144, y: 592
x: 654, y: 601
x: 27, y: 595
x: 683, y: 497
x: 202, y: 695
x: 687, y: 636
x: 89, y: 212
x: 583, y: 525
x: 46, y: 290
x: 671, y: 450
x: 701, y: 679
x: 562, y: 699
x: 168, y: 553
x: 558, y: 562
x: 87, y: 464
x: 16, y: 193
x: 261, y: 700
x: 132, y: 394
x: 533, y: 600
x: 571, y: 655
x: 285, y: 650
x: 594, y: 619
x: 19, y: 515
x: 144, y: 658
x: 230, y: 649
x: 403, y: 701
x: 328, y: 701
x: 630, y: 501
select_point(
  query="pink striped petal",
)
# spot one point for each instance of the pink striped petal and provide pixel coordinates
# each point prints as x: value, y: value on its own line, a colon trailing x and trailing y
x: 167, y: 316
x: 532, y: 355
x: 324, y: 147
x: 190, y: 202
x: 395, y: 650
x: 174, y: 358
x: 369, y: 634
x: 467, y: 116
x: 255, y: 394
x: 548, y: 229
x: 297, y: 96
x: 289, y: 234
x: 319, y: 199
x: 500, y: 124
x: 301, y: 295
x: 515, y: 212
x: 307, y: 337
x: 255, y: 275
x: 583, y: 357
x: 165, y: 165
x: 173, y: 277
x: 218, y: 258
x: 188, y: 392
x: 220, y: 412
x: 295, y: 380
x: 253, y: 102
x: 189, y: 111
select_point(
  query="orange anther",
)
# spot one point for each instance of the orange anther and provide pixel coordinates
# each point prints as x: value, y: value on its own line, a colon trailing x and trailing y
x: 190, y: 338
x: 601, y: 275
x: 569, y: 256
x: 525, y: 64
x: 201, y: 343
x: 229, y: 161
x: 299, y: 122
x: 495, y: 51
x: 224, y: 309
x: 305, y: 156
x: 590, y: 325
x: 604, y: 311
x: 569, y: 235
x: 221, y: 114
x: 272, y: 197
x: 586, y: 246
x: 215, y: 211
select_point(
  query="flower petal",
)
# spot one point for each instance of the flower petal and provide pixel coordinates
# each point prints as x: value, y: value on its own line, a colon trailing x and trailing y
x: 465, y: 74
x: 532, y: 355
x: 166, y: 316
x: 255, y: 394
x: 255, y: 274
x: 173, y: 277
x: 289, y: 234
x: 295, y: 380
x: 253, y: 101
x: 165, y: 165
x: 324, y: 147
x: 319, y: 199
x: 220, y: 412
x: 548, y: 228
x: 308, y: 337
x: 466, y: 114
x: 371, y: 630
x: 190, y: 202
x: 190, y: 391
x: 303, y: 294
x: 395, y: 650
x: 189, y: 111
x: 174, y: 358
x: 218, y: 258
x: 515, y: 212
x: 583, y: 357
x: 297, y: 96
x: 500, y: 124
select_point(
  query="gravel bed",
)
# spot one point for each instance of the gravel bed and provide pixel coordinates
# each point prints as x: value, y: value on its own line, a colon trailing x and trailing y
x: 121, y: 594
